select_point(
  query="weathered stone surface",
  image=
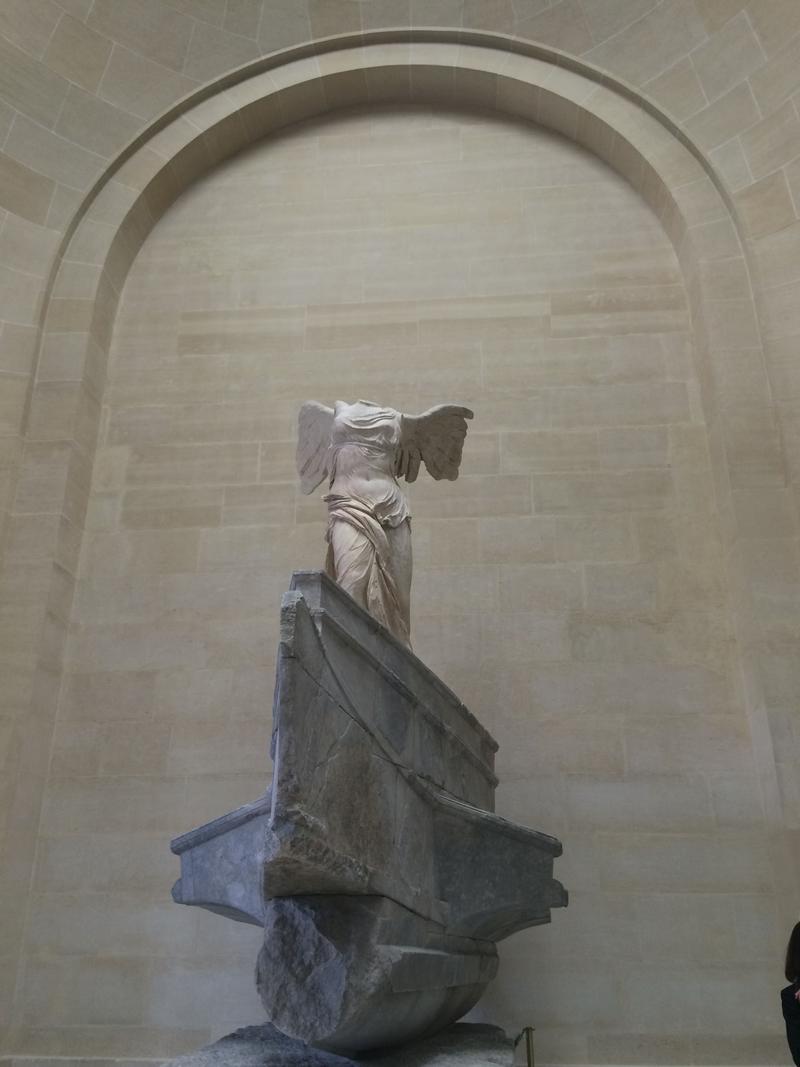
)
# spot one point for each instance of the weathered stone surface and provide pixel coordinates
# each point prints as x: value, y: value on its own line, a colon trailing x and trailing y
x: 462, y: 1045
x: 353, y: 973
x: 376, y: 865
x: 221, y: 863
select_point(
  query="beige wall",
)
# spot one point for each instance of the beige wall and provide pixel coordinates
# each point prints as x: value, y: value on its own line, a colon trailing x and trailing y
x: 80, y: 79
x: 570, y: 586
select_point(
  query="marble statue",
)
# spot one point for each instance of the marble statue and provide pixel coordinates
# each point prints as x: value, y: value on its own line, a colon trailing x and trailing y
x: 362, y: 449
x: 375, y: 863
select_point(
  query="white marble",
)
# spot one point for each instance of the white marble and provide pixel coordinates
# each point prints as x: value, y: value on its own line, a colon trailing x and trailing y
x: 363, y: 448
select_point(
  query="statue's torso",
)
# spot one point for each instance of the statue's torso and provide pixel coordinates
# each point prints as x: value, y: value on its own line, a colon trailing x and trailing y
x: 364, y: 441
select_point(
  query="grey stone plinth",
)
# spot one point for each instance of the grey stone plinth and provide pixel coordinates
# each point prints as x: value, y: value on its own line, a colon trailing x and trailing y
x: 375, y: 863
x: 365, y: 972
x: 462, y: 1045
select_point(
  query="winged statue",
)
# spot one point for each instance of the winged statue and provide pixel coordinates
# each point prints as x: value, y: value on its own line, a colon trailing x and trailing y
x: 362, y: 449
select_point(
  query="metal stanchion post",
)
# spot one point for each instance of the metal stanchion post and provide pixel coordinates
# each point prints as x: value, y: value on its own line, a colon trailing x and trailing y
x: 527, y: 1033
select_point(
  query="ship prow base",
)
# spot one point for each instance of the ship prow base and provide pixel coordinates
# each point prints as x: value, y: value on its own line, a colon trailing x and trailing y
x: 376, y: 857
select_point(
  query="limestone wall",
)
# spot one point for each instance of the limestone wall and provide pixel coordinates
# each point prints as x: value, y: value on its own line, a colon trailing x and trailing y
x: 570, y: 586
x: 80, y: 79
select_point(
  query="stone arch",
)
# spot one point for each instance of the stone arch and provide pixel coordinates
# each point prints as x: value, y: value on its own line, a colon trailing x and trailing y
x: 486, y: 71
x: 480, y: 70
x: 470, y: 69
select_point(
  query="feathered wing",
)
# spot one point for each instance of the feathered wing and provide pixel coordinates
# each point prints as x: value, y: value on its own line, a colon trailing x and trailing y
x: 314, y: 424
x: 435, y: 438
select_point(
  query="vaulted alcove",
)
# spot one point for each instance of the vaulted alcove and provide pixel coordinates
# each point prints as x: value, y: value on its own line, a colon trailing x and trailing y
x: 548, y: 252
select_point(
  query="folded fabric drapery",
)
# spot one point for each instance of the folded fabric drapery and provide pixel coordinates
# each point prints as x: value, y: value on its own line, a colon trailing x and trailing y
x: 362, y: 449
x: 360, y: 559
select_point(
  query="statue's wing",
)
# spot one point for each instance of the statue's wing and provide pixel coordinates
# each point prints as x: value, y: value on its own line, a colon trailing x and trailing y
x: 435, y: 438
x: 314, y: 424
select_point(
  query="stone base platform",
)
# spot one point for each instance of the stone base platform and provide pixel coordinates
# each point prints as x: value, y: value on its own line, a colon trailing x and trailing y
x: 461, y: 1045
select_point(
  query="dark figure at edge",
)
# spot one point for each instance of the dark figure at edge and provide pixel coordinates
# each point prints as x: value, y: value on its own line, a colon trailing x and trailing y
x: 790, y: 994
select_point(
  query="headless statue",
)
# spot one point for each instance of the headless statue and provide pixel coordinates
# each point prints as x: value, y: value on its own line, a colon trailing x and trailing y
x: 363, y: 449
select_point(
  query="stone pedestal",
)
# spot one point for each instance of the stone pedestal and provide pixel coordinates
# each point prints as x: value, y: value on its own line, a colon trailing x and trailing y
x: 462, y: 1045
x: 376, y: 866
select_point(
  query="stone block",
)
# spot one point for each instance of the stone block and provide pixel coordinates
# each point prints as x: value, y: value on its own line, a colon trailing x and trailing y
x: 777, y: 256
x: 168, y: 508
x: 138, y: 85
x: 730, y: 164
x: 77, y: 53
x: 781, y: 315
x: 242, y: 17
x: 94, y: 124
x: 213, y: 52
x: 29, y: 85
x: 597, y: 538
x: 472, y: 496
x: 518, y: 539
x: 678, y: 90
x: 616, y: 311
x: 86, y: 991
x: 582, y: 494
x: 773, y: 141
x: 775, y: 23
x: 449, y: 543
x: 563, y: 26
x: 29, y: 25
x: 652, y: 43
x: 728, y: 57
x: 152, y: 29
x: 18, y: 348
x: 726, y: 117
x: 201, y: 464
x: 26, y: 246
